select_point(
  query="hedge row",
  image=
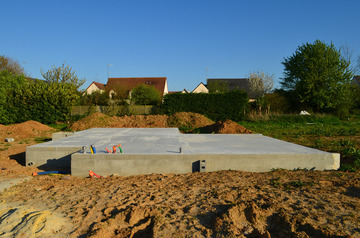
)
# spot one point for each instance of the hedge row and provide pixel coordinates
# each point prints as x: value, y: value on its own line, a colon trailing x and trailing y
x: 22, y: 100
x: 218, y: 106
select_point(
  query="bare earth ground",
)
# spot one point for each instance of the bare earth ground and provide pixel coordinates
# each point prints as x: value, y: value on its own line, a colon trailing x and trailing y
x: 218, y: 204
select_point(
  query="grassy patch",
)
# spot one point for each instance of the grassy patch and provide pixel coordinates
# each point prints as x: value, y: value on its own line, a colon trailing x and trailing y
x: 42, y: 139
x: 322, y: 132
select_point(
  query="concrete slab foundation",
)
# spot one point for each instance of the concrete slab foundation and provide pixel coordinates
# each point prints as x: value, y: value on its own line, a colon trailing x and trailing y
x: 166, y: 150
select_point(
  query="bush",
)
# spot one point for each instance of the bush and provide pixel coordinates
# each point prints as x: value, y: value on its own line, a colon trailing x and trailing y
x: 34, y: 100
x: 8, y: 83
x: 218, y: 106
x: 44, y: 102
x: 145, y: 95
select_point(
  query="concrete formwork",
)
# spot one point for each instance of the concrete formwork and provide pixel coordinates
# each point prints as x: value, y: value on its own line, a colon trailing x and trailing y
x: 166, y: 150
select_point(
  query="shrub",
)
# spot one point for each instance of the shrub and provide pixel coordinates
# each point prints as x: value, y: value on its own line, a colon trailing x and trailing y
x: 218, y: 106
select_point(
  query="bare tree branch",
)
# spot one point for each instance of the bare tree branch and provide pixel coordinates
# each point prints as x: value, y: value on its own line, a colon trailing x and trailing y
x: 261, y: 83
x: 63, y: 74
x: 11, y: 65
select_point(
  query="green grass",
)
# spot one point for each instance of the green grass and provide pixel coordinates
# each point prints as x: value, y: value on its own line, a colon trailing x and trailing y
x: 322, y: 132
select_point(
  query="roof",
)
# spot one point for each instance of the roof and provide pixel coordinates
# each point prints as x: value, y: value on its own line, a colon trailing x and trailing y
x: 235, y: 83
x: 202, y: 87
x: 356, y: 79
x: 129, y: 83
x: 99, y: 85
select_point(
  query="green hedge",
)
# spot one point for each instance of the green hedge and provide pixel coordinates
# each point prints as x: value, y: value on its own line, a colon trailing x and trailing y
x: 22, y: 100
x: 218, y: 106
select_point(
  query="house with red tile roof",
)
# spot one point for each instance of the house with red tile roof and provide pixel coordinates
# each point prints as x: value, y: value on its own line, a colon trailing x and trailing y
x: 127, y: 84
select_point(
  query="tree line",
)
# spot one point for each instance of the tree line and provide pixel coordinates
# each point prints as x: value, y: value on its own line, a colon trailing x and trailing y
x: 317, y: 77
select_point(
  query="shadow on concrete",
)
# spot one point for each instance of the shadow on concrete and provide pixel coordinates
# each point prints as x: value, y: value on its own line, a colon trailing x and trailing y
x: 196, y: 166
x: 60, y: 164
x: 20, y: 158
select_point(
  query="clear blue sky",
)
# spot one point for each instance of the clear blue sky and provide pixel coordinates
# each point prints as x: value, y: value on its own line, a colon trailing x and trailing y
x: 170, y: 38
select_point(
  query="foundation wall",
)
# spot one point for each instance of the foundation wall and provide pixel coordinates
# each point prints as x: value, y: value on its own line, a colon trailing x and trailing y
x: 50, y: 157
x: 126, y: 165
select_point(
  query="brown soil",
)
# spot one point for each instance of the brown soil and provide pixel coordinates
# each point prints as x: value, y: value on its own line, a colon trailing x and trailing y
x: 183, y: 120
x: 217, y: 204
x: 23, y: 130
x: 226, y: 127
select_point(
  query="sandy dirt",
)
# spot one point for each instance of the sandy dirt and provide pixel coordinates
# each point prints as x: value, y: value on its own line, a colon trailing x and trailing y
x: 217, y: 204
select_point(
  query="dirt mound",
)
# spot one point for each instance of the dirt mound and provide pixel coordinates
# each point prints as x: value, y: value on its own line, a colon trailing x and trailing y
x: 94, y: 120
x: 226, y: 127
x: 183, y: 119
x: 140, y: 121
x: 188, y: 119
x: 23, y: 130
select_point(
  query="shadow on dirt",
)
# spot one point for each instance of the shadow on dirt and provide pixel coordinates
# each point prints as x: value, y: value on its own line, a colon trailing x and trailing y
x: 20, y: 158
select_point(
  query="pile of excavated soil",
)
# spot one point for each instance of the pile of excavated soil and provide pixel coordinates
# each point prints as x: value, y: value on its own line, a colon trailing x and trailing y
x: 140, y: 121
x: 187, y: 120
x: 226, y: 127
x: 23, y: 130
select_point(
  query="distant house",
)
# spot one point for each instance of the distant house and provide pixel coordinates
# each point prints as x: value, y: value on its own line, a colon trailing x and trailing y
x: 233, y: 83
x: 356, y: 80
x: 127, y: 84
x: 95, y: 86
x: 183, y: 91
x: 201, y: 88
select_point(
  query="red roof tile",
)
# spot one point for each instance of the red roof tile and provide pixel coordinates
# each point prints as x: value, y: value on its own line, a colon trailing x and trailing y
x: 129, y: 83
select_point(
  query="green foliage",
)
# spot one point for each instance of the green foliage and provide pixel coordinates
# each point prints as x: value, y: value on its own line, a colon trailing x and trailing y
x: 217, y: 106
x: 278, y: 102
x: 95, y: 98
x: 217, y: 86
x: 63, y: 74
x: 44, y: 102
x: 8, y: 83
x: 319, y: 77
x: 145, y: 95
x: 22, y: 100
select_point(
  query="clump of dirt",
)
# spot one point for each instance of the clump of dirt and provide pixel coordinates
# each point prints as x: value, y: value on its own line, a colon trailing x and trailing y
x: 23, y: 130
x: 225, y: 127
x: 188, y: 119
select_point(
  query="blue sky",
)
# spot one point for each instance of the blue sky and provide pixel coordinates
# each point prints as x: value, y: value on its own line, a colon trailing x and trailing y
x: 173, y: 39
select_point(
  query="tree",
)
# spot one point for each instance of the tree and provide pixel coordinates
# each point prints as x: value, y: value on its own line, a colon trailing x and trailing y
x: 63, y: 74
x: 260, y: 83
x: 145, y: 95
x: 318, y: 76
x: 11, y: 65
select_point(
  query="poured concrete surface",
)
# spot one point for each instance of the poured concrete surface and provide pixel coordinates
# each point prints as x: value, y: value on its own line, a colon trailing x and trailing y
x: 166, y: 150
